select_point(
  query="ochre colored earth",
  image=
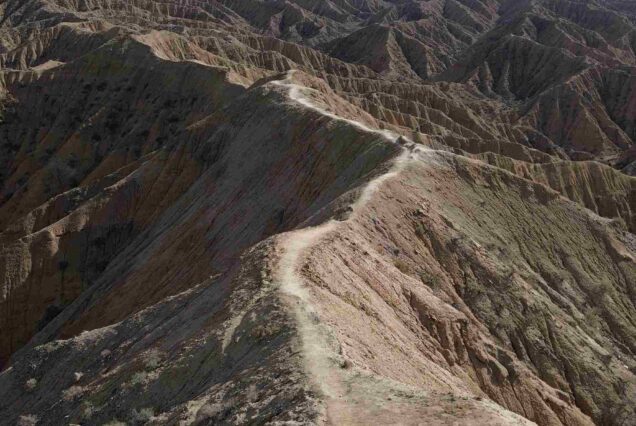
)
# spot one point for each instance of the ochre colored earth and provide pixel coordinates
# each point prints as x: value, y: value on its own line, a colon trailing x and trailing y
x: 318, y: 212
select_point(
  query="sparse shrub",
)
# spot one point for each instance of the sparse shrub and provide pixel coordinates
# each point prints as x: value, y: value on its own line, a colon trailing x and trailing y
x: 593, y: 318
x: 72, y: 393
x: 138, y: 378
x: 505, y: 321
x: 619, y: 223
x: 153, y: 360
x: 28, y: 420
x: 30, y: 384
x: 142, y: 415
x: 420, y: 231
x: 264, y: 331
x: 402, y: 266
x: 429, y: 279
x: 88, y: 409
x: 455, y: 243
x: 599, y: 290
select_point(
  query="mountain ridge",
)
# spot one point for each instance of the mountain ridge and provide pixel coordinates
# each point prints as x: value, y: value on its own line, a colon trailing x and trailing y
x: 201, y: 212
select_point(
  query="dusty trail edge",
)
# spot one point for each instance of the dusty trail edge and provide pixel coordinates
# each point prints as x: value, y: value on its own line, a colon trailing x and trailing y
x: 319, y: 348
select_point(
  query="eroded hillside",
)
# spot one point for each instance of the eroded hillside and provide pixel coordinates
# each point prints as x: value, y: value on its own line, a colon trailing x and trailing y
x: 395, y: 212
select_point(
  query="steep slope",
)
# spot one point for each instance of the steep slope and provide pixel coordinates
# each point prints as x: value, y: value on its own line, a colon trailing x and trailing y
x: 519, y: 57
x: 388, y: 52
x: 422, y: 291
x: 317, y: 212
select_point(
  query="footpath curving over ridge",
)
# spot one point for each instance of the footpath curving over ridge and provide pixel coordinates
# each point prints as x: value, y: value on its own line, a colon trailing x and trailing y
x: 217, y: 213
x: 352, y: 397
x: 533, y: 401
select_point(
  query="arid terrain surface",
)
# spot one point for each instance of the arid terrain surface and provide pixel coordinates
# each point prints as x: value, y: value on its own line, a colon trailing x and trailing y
x: 348, y: 212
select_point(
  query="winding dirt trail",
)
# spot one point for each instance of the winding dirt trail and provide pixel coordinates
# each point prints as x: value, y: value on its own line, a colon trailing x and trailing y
x: 351, y: 396
x: 320, y: 349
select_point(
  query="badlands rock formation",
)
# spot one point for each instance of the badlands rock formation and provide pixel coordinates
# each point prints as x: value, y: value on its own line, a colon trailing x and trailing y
x: 318, y: 212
